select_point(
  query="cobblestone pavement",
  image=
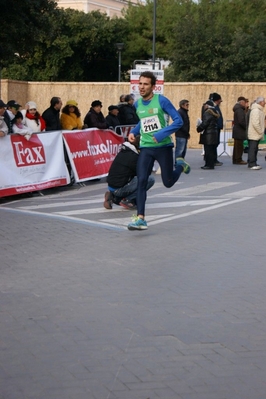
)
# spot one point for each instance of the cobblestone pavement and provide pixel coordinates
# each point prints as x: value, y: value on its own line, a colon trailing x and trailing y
x: 90, y: 310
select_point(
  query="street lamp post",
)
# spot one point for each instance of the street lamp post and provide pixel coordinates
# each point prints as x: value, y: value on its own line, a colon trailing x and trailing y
x: 154, y: 34
x: 119, y: 47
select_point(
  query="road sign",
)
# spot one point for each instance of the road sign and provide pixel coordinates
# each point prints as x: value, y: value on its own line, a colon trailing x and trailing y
x: 134, y: 82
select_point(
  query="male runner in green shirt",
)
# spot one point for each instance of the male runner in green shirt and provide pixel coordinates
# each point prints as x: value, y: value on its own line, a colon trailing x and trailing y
x: 156, y: 144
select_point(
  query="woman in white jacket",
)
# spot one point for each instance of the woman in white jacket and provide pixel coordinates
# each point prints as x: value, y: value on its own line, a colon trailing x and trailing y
x: 32, y: 118
x: 256, y: 130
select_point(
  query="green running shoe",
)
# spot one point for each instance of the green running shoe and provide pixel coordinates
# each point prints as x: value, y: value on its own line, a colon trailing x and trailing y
x: 137, y: 224
x: 184, y: 164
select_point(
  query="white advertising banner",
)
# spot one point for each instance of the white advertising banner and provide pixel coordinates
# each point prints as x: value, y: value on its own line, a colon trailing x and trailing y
x: 134, y: 82
x: 32, y: 165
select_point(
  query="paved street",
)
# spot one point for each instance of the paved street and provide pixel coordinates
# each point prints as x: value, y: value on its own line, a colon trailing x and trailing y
x: 90, y: 310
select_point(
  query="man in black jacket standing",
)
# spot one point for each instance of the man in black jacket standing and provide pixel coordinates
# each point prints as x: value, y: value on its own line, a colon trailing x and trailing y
x: 51, y: 114
x: 122, y: 180
x: 112, y: 118
x: 95, y: 118
x: 209, y: 137
x: 10, y: 113
x: 182, y: 135
x: 239, y: 131
x: 127, y: 112
x: 217, y: 99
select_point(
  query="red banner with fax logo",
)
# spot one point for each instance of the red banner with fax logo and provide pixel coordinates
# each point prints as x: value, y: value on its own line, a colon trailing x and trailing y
x: 26, y: 152
x: 91, y: 152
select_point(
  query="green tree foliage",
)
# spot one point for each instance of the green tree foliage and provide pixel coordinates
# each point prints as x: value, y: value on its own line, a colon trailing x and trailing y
x: 220, y: 40
x: 201, y: 47
x: 140, y: 21
x: 248, y: 54
x: 22, y: 24
x: 208, y: 40
x: 79, y: 47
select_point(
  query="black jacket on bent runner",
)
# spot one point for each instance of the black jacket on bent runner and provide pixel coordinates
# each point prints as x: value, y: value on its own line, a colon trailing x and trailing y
x: 124, y: 166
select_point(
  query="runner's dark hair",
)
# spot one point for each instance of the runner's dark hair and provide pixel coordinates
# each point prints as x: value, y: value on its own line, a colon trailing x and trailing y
x: 150, y: 75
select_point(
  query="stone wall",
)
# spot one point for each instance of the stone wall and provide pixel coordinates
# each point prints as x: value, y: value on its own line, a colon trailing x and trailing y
x: 84, y: 93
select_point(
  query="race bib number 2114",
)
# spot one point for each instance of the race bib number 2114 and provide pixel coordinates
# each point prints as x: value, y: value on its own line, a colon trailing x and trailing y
x: 150, y: 124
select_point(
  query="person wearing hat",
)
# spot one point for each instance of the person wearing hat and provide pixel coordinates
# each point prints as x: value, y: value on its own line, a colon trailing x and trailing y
x: 217, y: 99
x: 127, y: 112
x: 239, y: 131
x: 256, y: 128
x: 32, y: 117
x: 10, y: 112
x: 209, y: 137
x: 3, y: 125
x: 112, y: 118
x: 94, y: 117
x: 70, y: 116
x: 51, y: 114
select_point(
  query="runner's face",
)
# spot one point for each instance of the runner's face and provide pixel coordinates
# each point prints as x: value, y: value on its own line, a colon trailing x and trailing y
x: 145, y: 87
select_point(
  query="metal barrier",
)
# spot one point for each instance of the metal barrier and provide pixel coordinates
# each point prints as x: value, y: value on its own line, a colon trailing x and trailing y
x: 124, y: 129
x: 227, y: 140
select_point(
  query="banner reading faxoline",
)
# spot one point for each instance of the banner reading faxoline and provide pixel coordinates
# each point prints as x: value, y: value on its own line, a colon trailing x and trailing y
x: 39, y: 163
x: 91, y: 152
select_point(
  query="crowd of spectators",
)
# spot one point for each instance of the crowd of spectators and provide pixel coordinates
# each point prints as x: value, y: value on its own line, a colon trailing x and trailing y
x: 14, y: 119
x: 65, y: 117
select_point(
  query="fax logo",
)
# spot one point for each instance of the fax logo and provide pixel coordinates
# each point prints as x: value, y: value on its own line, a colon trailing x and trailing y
x: 27, y: 153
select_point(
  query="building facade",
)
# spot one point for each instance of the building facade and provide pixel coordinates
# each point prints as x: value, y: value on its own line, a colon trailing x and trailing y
x: 110, y: 7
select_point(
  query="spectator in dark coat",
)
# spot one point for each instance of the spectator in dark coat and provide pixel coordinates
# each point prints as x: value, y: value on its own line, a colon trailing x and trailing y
x: 10, y: 113
x: 3, y: 125
x: 217, y: 99
x: 182, y: 135
x: 51, y: 114
x: 209, y: 137
x: 127, y: 112
x: 112, y: 118
x: 239, y: 130
x: 94, y: 117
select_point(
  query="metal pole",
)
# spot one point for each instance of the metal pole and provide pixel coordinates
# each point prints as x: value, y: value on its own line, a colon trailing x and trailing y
x: 154, y: 34
x: 119, y: 65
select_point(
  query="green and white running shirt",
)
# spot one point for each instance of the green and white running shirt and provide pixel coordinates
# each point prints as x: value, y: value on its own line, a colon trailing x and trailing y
x: 154, y: 121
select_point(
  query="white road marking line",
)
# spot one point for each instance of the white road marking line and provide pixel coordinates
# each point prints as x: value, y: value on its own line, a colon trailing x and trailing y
x: 125, y: 221
x: 197, y: 211
x: 148, y: 206
x: 250, y: 192
x: 176, y: 193
x: 157, y: 219
x: 65, y: 218
x: 201, y: 188
x: 120, y: 224
x: 62, y: 204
